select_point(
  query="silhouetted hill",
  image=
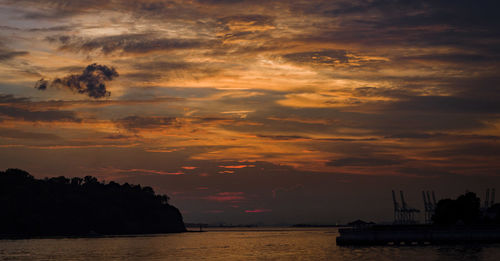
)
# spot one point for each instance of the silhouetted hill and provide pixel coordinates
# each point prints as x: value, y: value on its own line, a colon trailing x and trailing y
x: 76, y: 206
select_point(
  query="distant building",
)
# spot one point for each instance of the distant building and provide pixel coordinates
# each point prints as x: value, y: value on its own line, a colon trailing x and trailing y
x: 360, y: 223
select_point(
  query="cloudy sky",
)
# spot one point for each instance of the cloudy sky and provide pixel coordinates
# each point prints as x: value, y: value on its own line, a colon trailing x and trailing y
x: 256, y: 111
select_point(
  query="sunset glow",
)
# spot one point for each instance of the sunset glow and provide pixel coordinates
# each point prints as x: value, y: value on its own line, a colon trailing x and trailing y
x: 264, y: 105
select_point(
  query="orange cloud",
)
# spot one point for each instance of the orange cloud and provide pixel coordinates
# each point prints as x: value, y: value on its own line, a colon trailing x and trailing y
x: 237, y: 166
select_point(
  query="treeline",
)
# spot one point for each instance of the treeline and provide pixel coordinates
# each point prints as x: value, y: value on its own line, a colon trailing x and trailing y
x: 81, y: 206
x: 466, y: 209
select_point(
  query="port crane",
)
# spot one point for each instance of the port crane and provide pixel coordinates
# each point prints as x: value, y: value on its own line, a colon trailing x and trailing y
x: 429, y: 206
x: 403, y: 214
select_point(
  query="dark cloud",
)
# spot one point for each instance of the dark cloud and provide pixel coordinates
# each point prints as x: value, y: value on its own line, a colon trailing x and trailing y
x: 149, y: 71
x: 382, y: 92
x: 452, y: 58
x: 328, y: 57
x: 475, y: 149
x: 364, y: 162
x: 166, y: 70
x: 57, y: 9
x: 428, y: 23
x: 348, y: 140
x: 412, y: 135
x: 7, y: 54
x: 486, y: 87
x: 37, y: 115
x: 253, y: 29
x: 395, y: 120
x: 118, y: 137
x: 19, y: 134
x: 20, y: 108
x: 65, y: 9
x: 408, y: 13
x: 461, y: 13
x: 283, y: 137
x: 162, y: 66
x: 247, y: 20
x: 10, y: 55
x: 42, y: 84
x: 443, y: 136
x: 135, y: 123
x: 52, y: 29
x: 90, y: 82
x: 426, y: 172
x: 132, y: 100
x: 144, y: 76
x: 450, y: 104
x: 127, y: 43
x: 220, y: 2
x: 9, y: 99
x: 212, y: 119
x: 10, y: 28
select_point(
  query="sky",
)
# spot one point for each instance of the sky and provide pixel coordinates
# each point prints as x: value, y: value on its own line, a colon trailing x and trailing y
x: 247, y: 112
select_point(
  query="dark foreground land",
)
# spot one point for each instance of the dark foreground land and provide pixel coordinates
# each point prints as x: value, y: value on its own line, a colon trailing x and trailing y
x: 60, y: 206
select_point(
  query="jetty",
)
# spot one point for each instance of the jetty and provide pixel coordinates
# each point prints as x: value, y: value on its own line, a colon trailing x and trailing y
x: 418, y: 235
x: 446, y: 222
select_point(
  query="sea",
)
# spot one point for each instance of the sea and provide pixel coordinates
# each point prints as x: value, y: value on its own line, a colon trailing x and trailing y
x: 233, y: 244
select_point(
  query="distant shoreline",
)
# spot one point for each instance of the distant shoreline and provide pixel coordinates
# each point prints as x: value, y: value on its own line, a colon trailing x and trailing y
x: 261, y: 226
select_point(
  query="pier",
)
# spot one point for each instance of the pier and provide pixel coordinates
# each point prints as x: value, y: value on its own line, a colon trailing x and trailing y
x: 418, y: 235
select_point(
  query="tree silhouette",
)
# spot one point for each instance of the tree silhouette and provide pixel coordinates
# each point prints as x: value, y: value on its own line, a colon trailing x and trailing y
x: 465, y: 209
x: 62, y: 206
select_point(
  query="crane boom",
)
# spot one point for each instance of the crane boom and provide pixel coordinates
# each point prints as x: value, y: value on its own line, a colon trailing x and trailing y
x: 426, y: 204
x: 394, y: 200
x: 492, y: 197
x: 487, y: 201
x: 403, y: 202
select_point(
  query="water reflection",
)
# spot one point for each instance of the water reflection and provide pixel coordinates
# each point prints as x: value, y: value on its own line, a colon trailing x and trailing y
x: 464, y: 252
x: 232, y: 244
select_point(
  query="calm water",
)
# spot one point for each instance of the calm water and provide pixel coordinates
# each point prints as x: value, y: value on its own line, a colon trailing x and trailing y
x: 231, y: 244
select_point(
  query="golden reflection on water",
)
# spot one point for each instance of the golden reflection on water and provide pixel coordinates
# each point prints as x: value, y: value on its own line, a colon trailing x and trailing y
x: 232, y: 244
